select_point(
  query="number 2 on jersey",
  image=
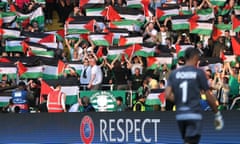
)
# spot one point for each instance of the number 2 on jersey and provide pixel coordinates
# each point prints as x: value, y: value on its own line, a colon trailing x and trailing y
x: 184, y: 86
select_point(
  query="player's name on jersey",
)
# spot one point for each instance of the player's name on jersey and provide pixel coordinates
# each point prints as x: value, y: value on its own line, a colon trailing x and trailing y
x: 186, y: 75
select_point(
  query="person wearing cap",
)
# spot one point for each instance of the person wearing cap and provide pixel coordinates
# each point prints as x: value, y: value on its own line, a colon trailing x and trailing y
x: 20, y: 97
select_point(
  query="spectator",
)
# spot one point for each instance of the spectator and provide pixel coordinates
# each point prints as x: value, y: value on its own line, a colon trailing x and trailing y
x: 107, y: 73
x: 96, y: 75
x: 49, y: 11
x: 136, y: 62
x: 120, y: 105
x: 85, y: 74
x: 20, y: 97
x: 34, y: 92
x: 140, y: 104
x: 9, y: 108
x: 56, y: 100
x: 150, y: 33
x: 6, y: 81
x: 87, y: 106
x: 137, y: 79
x: 153, y: 83
x: 219, y: 47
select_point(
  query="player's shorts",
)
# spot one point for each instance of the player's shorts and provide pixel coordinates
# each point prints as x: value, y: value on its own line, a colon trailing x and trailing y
x: 190, y: 130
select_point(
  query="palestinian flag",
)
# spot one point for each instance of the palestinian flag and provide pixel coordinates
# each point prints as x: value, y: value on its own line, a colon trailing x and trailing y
x: 21, y: 69
x: 4, y: 98
x: 235, y: 45
x: 130, y: 51
x: 68, y: 87
x: 180, y: 49
x: 201, y: 27
x: 156, y: 97
x: 218, y: 30
x: 61, y: 67
x: 45, y: 90
x: 237, y: 10
x: 9, y: 33
x: 225, y: 10
x: 117, y: 33
x: 38, y: 16
x: 147, y: 49
x: 115, y: 51
x: 163, y: 12
x: 37, y: 49
x: 236, y: 23
x: 101, y: 39
x: 130, y: 14
x: 130, y: 25
x: 129, y: 40
x: 33, y: 72
x: 7, y: 17
x: 185, y: 10
x: 96, y: 11
x: 77, y: 65
x: 80, y: 27
x: 14, y: 45
x: 164, y: 58
x: 9, y: 69
x: 23, y: 21
x: 218, y: 2
x: 180, y: 22
x: 39, y: 37
x: 84, y: 3
x: 50, y: 71
x: 134, y: 4
x: 111, y: 14
x: 205, y: 14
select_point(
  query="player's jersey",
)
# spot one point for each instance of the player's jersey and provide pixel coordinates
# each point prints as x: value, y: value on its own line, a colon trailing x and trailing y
x: 186, y: 83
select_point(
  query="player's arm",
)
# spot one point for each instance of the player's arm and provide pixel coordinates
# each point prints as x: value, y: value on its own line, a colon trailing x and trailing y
x: 168, y: 94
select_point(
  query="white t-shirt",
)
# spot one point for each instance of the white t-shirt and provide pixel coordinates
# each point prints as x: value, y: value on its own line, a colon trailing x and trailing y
x: 136, y: 65
x: 96, y: 70
x: 88, y: 74
x: 164, y: 36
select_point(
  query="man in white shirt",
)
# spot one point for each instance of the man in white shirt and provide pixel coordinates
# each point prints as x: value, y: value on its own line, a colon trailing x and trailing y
x: 96, y: 75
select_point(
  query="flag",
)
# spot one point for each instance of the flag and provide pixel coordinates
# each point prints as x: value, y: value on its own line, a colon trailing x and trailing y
x: 10, y: 33
x: 156, y: 97
x: 4, y: 98
x: 23, y: 21
x: 33, y: 72
x: 154, y: 62
x: 9, y: 69
x: 38, y: 16
x: 130, y: 14
x: 117, y: 33
x: 237, y: 10
x: 50, y: 68
x: 45, y: 90
x: 43, y: 2
x: 130, y: 25
x: 236, y: 23
x: 132, y: 49
x: 101, y: 39
x: 111, y: 14
x: 115, y: 51
x: 70, y: 88
x: 164, y: 12
x: 201, y: 27
x: 4, y: 60
x: 130, y: 40
x: 80, y: 27
x: 205, y: 14
x: 83, y: 3
x: 185, y: 10
x: 21, y: 68
x: 218, y: 30
x: 96, y: 11
x: 180, y: 22
x: 14, y: 45
x: 147, y: 49
x: 7, y: 17
x: 218, y: 2
x: 180, y: 49
x: 76, y: 65
x: 225, y: 10
x: 61, y: 66
x: 39, y: 37
x: 235, y: 45
x: 138, y: 4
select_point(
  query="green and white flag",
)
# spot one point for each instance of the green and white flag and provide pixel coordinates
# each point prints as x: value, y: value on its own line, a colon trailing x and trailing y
x: 205, y: 14
x: 14, y: 45
x: 8, y: 17
x: 33, y: 72
x: 218, y: 2
x: 10, y: 33
x: 180, y: 22
x: 146, y: 50
x: 38, y: 16
x: 50, y: 72
x: 72, y: 92
x: 4, y: 99
x: 101, y: 39
x: 130, y: 25
x: 156, y: 97
x: 94, y: 11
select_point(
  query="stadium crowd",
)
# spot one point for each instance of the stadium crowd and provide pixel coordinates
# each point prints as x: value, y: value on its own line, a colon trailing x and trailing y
x: 130, y: 45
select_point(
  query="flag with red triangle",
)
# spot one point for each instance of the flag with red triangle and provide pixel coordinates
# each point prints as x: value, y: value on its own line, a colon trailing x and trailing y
x: 235, y: 45
x: 162, y: 99
x: 163, y: 58
x: 4, y: 60
x: 132, y: 49
x: 61, y: 67
x: 45, y: 90
x: 163, y: 12
x: 236, y: 23
x: 129, y: 40
x: 21, y: 68
x: 111, y: 14
x: 80, y: 27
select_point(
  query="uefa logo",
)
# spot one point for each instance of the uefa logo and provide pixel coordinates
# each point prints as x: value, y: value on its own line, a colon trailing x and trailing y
x: 87, y: 129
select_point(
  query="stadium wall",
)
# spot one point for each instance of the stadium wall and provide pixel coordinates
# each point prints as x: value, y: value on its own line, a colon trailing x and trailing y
x: 117, y: 127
